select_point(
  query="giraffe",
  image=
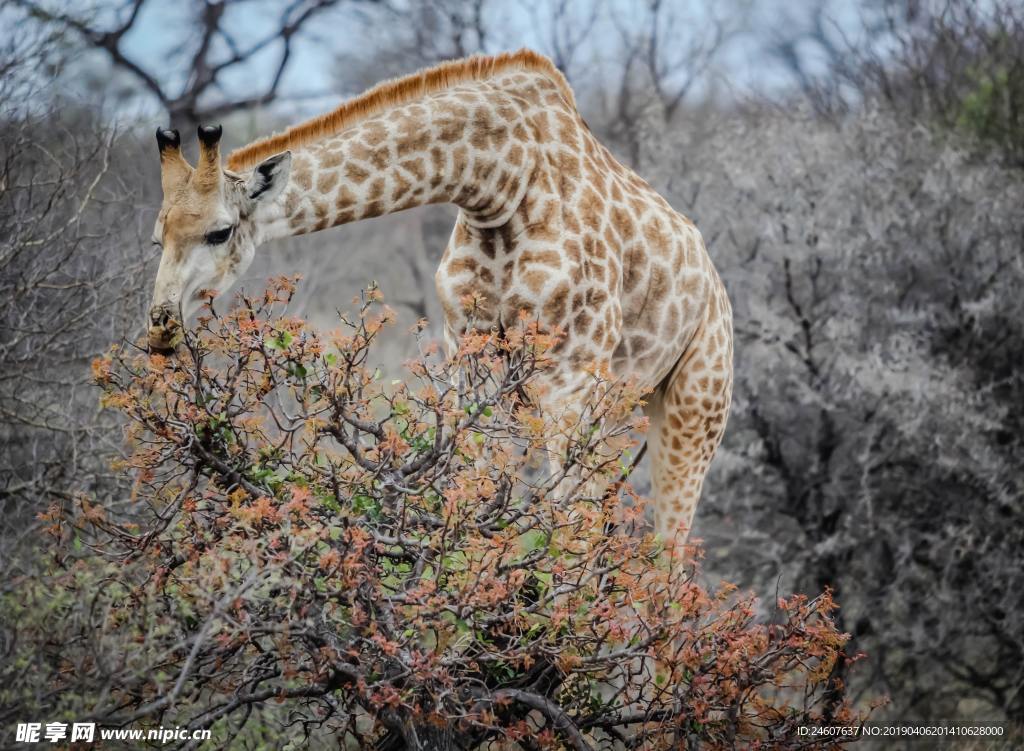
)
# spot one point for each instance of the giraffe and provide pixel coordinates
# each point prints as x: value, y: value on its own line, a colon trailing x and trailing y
x: 549, y: 222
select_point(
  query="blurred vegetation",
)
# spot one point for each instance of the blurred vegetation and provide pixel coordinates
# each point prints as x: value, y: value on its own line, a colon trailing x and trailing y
x: 957, y: 64
x: 993, y: 110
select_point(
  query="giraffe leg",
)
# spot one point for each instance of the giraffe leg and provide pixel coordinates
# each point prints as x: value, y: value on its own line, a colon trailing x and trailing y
x: 567, y: 403
x: 687, y: 418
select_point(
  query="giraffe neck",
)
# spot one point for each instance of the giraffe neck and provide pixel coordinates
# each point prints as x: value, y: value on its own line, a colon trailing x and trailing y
x: 450, y: 147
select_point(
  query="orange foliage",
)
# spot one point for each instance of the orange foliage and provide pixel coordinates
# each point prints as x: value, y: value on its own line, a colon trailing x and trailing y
x: 409, y: 553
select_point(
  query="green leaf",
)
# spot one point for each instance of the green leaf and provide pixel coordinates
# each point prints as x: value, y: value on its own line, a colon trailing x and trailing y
x: 533, y: 540
x: 281, y: 341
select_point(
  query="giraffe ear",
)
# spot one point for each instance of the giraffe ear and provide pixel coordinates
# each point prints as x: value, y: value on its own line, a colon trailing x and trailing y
x: 268, y: 178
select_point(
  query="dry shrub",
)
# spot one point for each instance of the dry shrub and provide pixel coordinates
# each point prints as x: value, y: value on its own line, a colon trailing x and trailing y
x: 399, y: 564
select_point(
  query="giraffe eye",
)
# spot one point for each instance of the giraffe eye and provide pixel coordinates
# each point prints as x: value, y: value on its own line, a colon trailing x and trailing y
x: 218, y: 237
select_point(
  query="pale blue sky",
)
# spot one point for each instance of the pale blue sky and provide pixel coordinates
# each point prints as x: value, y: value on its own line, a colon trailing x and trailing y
x: 744, y: 65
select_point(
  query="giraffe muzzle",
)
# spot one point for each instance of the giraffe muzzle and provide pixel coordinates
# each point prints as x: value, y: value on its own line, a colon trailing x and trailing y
x: 165, y: 331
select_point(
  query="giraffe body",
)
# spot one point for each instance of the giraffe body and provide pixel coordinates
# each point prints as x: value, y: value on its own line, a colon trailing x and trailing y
x: 549, y: 222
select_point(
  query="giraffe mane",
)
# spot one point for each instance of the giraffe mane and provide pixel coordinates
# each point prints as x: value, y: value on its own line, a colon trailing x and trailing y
x: 394, y: 92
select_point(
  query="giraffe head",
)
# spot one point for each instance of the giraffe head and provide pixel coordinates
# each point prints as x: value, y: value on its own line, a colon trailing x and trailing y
x: 208, y: 227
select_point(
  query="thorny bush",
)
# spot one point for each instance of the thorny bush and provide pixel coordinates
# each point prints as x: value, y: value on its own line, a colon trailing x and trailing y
x: 401, y: 563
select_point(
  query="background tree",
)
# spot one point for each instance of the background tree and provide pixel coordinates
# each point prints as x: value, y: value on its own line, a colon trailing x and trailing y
x: 189, y: 83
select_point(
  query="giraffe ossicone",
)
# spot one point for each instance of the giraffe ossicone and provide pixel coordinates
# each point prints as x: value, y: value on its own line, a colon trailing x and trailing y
x: 549, y: 222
